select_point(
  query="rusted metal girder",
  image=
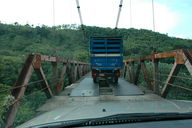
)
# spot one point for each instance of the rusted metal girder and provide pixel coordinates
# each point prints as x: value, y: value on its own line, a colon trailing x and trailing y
x: 146, y: 76
x: 54, y: 81
x: 155, y: 75
x: 59, y: 88
x: 69, y: 74
x: 125, y: 70
x: 18, y: 93
x: 33, y: 62
x: 130, y: 73
x: 41, y: 75
x: 80, y: 70
x: 137, y: 73
x: 75, y: 72
x: 188, y: 60
x: 174, y: 71
x: 181, y: 56
x: 177, y: 54
x: 56, y: 59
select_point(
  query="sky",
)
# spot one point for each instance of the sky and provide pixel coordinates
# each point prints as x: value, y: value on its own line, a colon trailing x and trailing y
x: 172, y: 17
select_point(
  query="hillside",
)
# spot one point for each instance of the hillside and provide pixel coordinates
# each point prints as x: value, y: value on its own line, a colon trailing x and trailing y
x: 67, y: 41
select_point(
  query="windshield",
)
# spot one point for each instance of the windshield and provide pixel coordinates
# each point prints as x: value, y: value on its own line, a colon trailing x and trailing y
x: 81, y: 60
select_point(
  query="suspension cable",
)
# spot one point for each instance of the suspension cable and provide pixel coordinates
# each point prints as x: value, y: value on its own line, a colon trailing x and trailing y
x: 80, y: 17
x: 130, y: 11
x: 119, y: 12
x: 153, y: 13
x: 53, y: 12
x: 79, y: 11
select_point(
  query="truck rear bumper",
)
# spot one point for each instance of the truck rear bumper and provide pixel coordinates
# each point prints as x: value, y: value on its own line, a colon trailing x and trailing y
x: 105, y: 74
x: 106, y: 69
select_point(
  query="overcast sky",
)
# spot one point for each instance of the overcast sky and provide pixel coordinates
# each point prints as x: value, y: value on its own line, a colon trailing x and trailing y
x: 173, y: 17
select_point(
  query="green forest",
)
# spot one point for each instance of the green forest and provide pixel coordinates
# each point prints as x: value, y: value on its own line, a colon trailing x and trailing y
x: 70, y: 42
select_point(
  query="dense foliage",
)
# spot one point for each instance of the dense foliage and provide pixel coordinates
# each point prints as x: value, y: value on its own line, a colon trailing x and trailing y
x: 67, y: 41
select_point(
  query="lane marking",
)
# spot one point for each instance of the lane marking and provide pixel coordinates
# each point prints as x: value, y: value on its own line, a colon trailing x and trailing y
x: 173, y: 104
x: 57, y: 117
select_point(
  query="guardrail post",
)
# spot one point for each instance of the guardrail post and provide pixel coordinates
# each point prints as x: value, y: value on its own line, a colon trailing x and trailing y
x: 125, y: 70
x: 69, y: 72
x: 146, y: 75
x: 54, y: 76
x: 80, y: 70
x: 133, y: 71
x: 188, y: 60
x: 129, y: 73
x: 84, y: 69
x: 137, y: 73
x: 62, y: 78
x: 75, y: 72
x: 155, y: 76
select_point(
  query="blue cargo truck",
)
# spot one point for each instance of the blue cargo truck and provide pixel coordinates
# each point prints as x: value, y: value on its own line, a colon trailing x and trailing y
x: 106, y: 58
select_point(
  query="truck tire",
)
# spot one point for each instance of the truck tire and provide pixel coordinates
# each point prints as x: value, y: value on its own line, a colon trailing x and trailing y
x: 94, y: 80
x: 115, y: 79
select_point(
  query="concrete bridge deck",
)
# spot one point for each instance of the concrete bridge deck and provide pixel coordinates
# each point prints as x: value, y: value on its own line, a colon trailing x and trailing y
x: 87, y: 88
x: 81, y: 100
x: 84, y: 90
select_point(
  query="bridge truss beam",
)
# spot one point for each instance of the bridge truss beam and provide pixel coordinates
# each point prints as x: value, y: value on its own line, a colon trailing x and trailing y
x: 34, y: 63
x: 181, y: 57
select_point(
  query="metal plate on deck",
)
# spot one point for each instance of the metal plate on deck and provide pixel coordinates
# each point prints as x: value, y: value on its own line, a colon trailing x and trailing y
x: 87, y: 88
x: 124, y: 88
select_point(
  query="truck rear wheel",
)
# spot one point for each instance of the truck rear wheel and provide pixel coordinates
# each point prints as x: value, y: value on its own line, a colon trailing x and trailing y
x: 94, y: 79
x: 115, y: 80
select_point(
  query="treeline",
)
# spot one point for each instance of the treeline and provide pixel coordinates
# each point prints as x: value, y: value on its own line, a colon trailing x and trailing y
x: 67, y: 41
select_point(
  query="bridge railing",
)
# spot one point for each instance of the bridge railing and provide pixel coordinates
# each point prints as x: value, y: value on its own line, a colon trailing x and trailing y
x: 34, y: 63
x: 182, y: 59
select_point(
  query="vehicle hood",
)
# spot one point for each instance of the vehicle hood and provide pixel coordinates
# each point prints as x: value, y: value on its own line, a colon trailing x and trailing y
x: 75, y: 108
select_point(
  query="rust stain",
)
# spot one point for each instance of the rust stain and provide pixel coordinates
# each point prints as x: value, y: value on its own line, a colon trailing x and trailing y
x: 37, y: 62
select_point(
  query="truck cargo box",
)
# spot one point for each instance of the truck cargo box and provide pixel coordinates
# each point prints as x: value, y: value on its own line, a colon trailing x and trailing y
x: 106, y: 56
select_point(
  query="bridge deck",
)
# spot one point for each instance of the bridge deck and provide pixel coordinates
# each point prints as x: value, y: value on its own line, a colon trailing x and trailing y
x: 81, y: 100
x: 87, y: 88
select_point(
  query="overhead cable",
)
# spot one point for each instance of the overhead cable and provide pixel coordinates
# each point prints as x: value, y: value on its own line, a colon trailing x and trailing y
x: 119, y: 12
x: 79, y: 11
x: 53, y: 12
x: 80, y: 17
x: 130, y: 7
x: 153, y: 12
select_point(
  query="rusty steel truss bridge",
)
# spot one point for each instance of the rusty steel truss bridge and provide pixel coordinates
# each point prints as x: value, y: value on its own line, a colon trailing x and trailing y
x: 74, y: 70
